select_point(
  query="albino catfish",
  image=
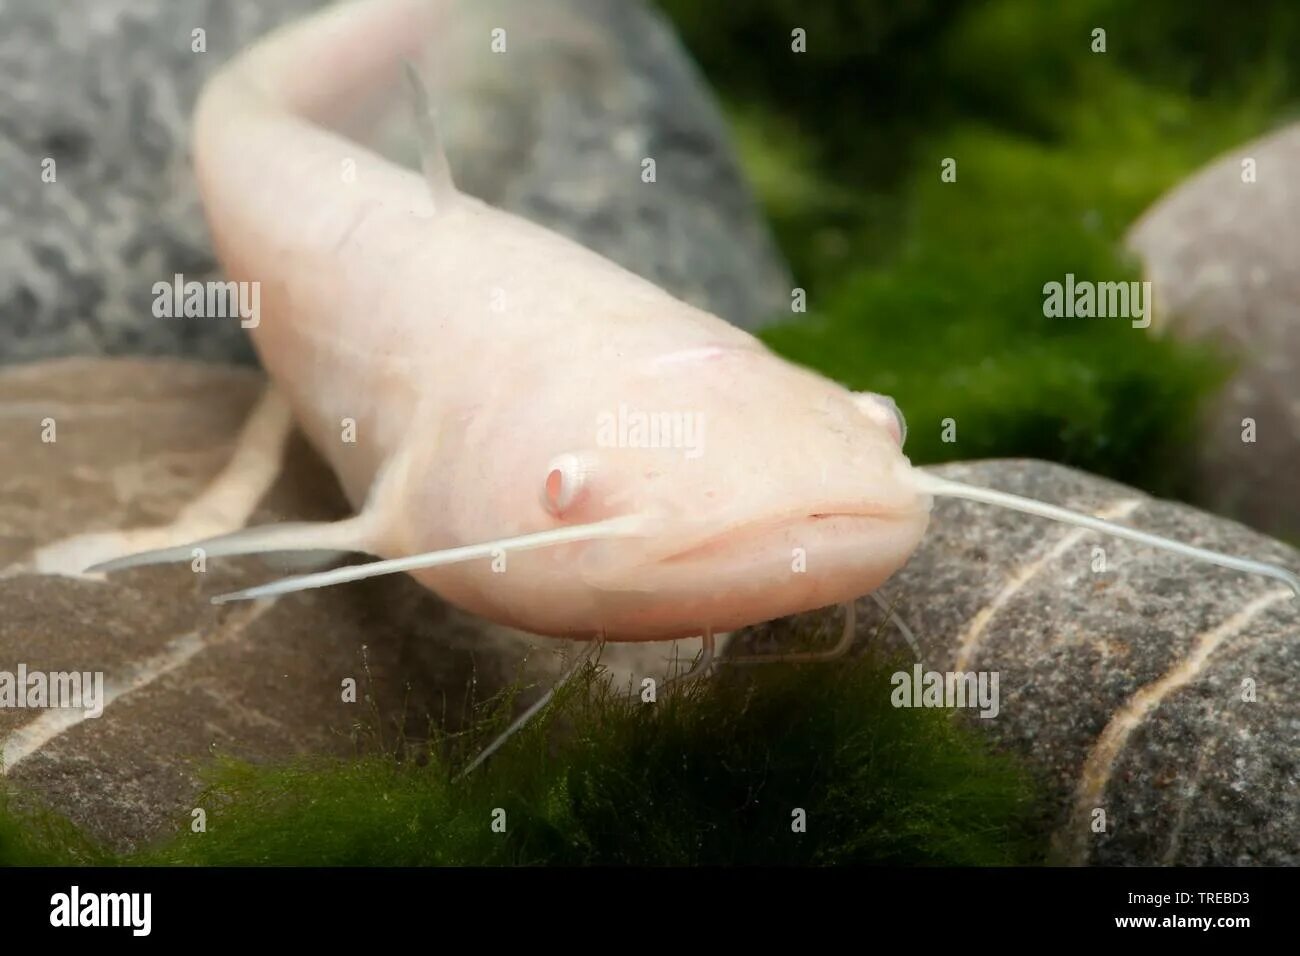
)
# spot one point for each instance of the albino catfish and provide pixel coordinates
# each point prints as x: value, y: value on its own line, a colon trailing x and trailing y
x: 480, y: 360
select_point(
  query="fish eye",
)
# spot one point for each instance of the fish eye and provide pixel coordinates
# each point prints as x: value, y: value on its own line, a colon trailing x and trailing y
x: 885, y: 411
x: 566, y: 480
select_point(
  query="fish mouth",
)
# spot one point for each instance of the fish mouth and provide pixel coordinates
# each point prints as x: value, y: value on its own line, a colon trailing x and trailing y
x: 844, y: 547
x: 844, y: 551
x: 783, y: 529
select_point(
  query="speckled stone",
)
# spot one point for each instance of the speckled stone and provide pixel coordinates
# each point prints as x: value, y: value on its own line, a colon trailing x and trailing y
x: 137, y: 439
x: 1122, y: 687
x: 556, y: 131
x: 1222, y: 257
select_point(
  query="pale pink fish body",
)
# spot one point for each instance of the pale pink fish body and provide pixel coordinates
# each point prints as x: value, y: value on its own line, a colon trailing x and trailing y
x: 473, y: 350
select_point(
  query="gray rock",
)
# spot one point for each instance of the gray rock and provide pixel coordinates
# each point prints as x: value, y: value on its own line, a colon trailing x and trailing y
x: 137, y: 439
x: 105, y: 88
x: 1123, y: 686
x: 555, y: 130
x: 1221, y: 255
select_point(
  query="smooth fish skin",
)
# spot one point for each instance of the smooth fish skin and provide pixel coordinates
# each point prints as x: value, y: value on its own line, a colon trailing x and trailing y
x: 473, y: 350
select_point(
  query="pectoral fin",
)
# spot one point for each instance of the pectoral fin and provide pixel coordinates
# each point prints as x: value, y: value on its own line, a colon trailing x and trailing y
x: 351, y: 534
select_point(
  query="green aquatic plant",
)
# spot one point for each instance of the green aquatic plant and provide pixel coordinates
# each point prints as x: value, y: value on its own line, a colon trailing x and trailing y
x: 31, y: 835
x: 777, y: 764
x: 932, y: 290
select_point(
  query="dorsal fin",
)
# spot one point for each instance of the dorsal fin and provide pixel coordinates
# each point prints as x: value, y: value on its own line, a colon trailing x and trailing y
x: 433, y: 159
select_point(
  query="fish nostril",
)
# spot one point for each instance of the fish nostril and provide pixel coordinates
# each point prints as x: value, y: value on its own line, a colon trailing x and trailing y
x: 884, y: 410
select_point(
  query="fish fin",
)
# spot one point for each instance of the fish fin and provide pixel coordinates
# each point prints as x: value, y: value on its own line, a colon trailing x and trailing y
x: 348, y: 535
x: 613, y: 527
x: 433, y: 158
x: 300, y: 562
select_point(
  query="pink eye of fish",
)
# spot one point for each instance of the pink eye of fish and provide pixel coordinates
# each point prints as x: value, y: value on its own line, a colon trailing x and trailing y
x: 566, y: 481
